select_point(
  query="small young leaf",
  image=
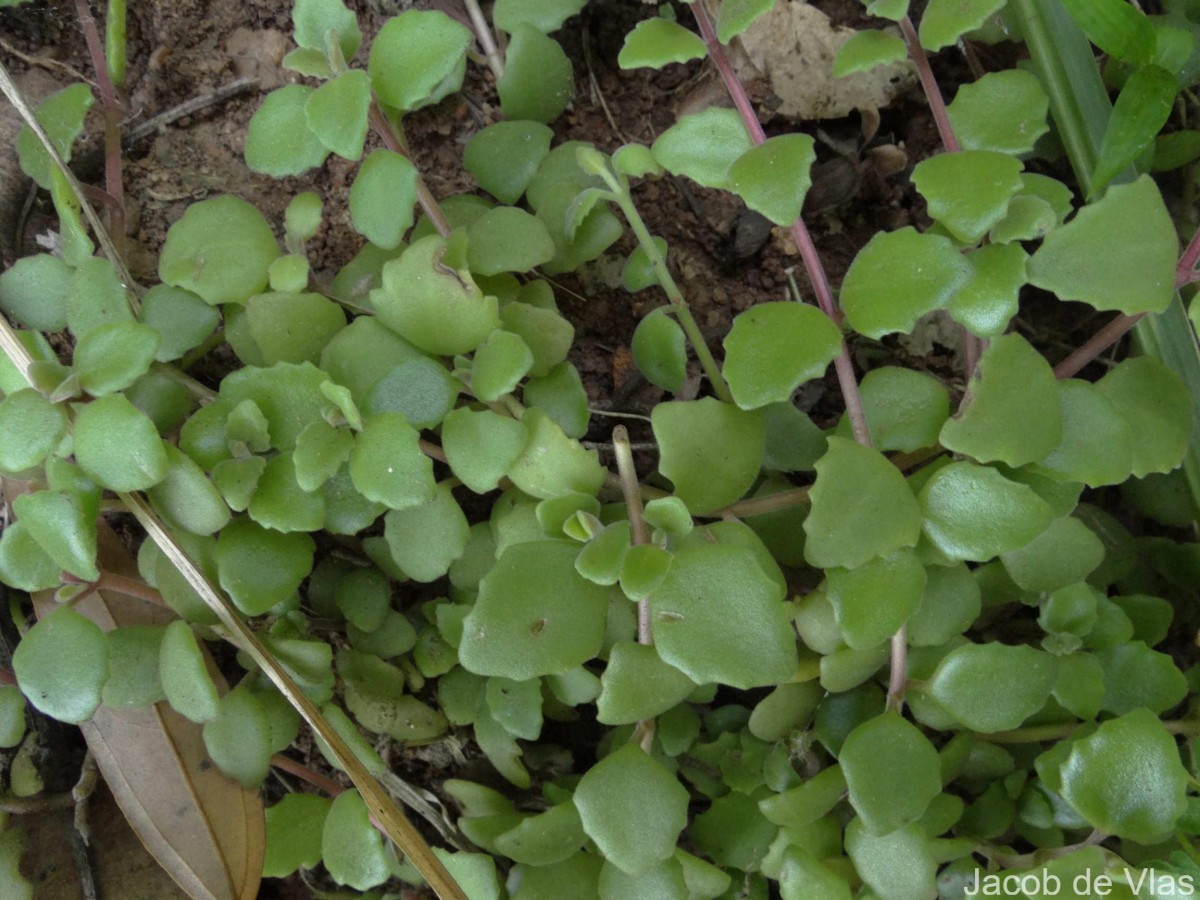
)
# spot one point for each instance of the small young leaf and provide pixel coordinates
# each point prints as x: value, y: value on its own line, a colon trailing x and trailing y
x: 546, y: 333
x: 986, y: 303
x: 968, y: 192
x: 538, y: 80
x: 503, y: 157
x: 353, y: 851
x: 866, y: 50
x: 111, y: 357
x: 891, y: 771
x: 1003, y: 111
x: 188, y: 686
x: 61, y: 665
x: 280, y: 504
x: 507, y: 239
x: 180, y: 317
x: 117, y: 446
x: 898, y: 277
x: 294, y: 827
x: 382, y: 198
x: 635, y: 160
x: 945, y: 21
x: 655, y: 42
x: 12, y: 716
x: 238, y: 738
x: 481, y: 446
x: 774, y: 176
x: 861, y: 508
x: 659, y: 349
x: 337, y: 113
x: 773, y: 348
x: 703, y: 146
x: 260, y: 567
x: 426, y: 539
x: 418, y: 58
x: 61, y: 115
x: 279, y: 141
x: 1098, y: 259
x: 387, y: 464
x: 30, y: 428
x: 313, y: 20
x: 633, y: 808
x: 544, y: 15
x: 34, y: 292
x: 710, y: 450
x: 320, y: 451
x: 1140, y: 112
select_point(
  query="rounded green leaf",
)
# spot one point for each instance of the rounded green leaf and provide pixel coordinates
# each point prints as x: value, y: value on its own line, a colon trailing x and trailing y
x: 547, y: 334
x: 97, y: 296
x: 337, y: 113
x: 905, y: 409
x: 538, y: 80
x: 134, y: 654
x: 703, y: 146
x: 552, y: 464
x: 313, y: 20
x: 183, y: 669
x: 1126, y: 778
x: 186, y: 498
x: 546, y: 838
x: 1003, y: 111
x: 945, y: 21
x: 292, y: 328
x: 715, y: 601
x: 1066, y: 552
x: 544, y: 15
x: 61, y: 116
x: 654, y: 42
x: 1156, y: 405
x: 382, y: 198
x: 352, y: 850
x: 435, y: 307
x: 507, y: 239
x: 12, y: 716
x: 535, y: 615
x: 866, y: 50
x: 24, y: 564
x: 117, y: 446
x: 897, y: 866
x: 633, y: 808
x: 637, y: 685
x: 61, y: 665
x: 279, y: 503
x: 1012, y: 412
x: 711, y: 451
x: 238, y: 738
x: 30, y: 428
x: 892, y: 772
x: 34, y: 291
x: 1098, y: 259
x: 111, y: 357
x: 560, y: 395
x: 260, y: 567
x: 975, y: 513
x: 387, y: 464
x: 773, y: 348
x: 220, y: 249
x: 1136, y: 677
x: 481, y: 446
x: 279, y: 142
x: 986, y: 303
x: 418, y: 58
x: 294, y: 827
x: 968, y: 191
x: 659, y: 349
x: 873, y: 600
x: 426, y: 539
x: 517, y: 705
x: 949, y: 606
x: 1090, y: 422
x: 861, y: 508
x: 504, y: 156
x: 898, y: 277
x: 993, y: 687
x: 320, y: 451
x: 63, y: 524
x: 181, y: 319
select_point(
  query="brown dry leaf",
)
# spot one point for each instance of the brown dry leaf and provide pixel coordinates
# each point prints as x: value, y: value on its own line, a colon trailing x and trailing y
x: 203, y: 828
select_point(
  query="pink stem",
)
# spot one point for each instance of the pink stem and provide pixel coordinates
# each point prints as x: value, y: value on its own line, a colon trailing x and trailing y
x: 933, y: 94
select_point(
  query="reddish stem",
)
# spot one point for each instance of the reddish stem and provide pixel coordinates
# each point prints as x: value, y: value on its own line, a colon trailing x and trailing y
x: 804, y: 243
x: 1096, y: 344
x: 933, y: 94
x: 1185, y: 271
x: 429, y: 204
x: 316, y: 779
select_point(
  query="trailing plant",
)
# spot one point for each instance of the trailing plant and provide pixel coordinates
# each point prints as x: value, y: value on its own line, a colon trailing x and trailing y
x: 893, y: 657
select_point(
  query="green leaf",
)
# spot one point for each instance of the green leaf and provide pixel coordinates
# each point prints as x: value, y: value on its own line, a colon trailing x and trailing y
x: 280, y: 504
x: 720, y: 466
x: 561, y: 396
x: 434, y: 306
x: 538, y: 80
x: 313, y: 20
x: 1090, y: 421
x: 664, y: 882
x: 1097, y: 259
x: 659, y: 350
x: 862, y: 508
x: 134, y: 652
x: 504, y: 156
x: 535, y: 615
x: 993, y: 687
x: 12, y: 716
x: 635, y: 160
x: 892, y: 772
x: 507, y: 239
x: 905, y: 409
x: 773, y: 348
x: 238, y: 738
x: 30, y: 428
x: 945, y: 21
x: 1012, y: 412
x: 337, y: 113
x: 117, y: 446
x: 637, y: 685
x: 1140, y: 112
x: 181, y: 318
x: 866, y: 50
x: 713, y: 601
x: 1003, y: 111
x: 897, y: 866
x: 544, y: 15
x: 975, y: 513
x: 986, y: 303
x: 61, y: 665
x: 353, y: 851
x: 61, y: 116
x: 220, y: 249
x: 23, y: 563
x: 96, y: 297
x: 186, y: 498
x: 294, y: 827
x: 481, y: 446
x: 320, y: 451
x: 655, y: 42
x: 186, y: 681
x: 703, y: 146
x: 387, y: 464
x: 426, y: 539
x: 1155, y: 403
x: 633, y: 809
x: 1129, y: 757
x: 873, y: 600
x: 34, y: 292
x: 382, y: 198
x: 898, y: 277
x: 517, y: 705
x: 735, y: 16
x: 292, y: 327
x: 949, y: 606
x: 968, y: 192
x: 732, y: 832
x: 63, y: 523
x: 1028, y: 218
x: 774, y: 176
x: 499, y: 365
x: 279, y: 141
x: 804, y: 877
x: 111, y: 357
x: 547, y: 334
x: 1063, y: 554
x: 1136, y: 677
x: 1120, y: 30
x: 551, y: 464
x: 418, y: 58
x: 260, y: 567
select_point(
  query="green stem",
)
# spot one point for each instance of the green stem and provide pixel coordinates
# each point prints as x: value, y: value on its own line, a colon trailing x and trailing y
x: 1036, y: 734
x: 114, y: 43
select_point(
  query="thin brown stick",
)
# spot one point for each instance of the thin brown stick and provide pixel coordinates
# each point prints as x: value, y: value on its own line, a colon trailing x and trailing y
x: 1096, y: 344
x: 487, y: 40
